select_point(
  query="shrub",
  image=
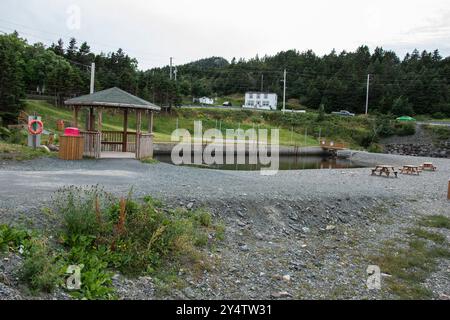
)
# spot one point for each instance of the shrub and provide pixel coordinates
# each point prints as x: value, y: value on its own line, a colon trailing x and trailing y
x: 439, y: 115
x: 133, y: 237
x: 12, y: 238
x: 405, y: 129
x: 40, y: 269
x: 375, y: 148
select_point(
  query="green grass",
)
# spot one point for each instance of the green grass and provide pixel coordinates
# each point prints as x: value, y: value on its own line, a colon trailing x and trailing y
x: 424, y: 234
x: 435, y: 221
x: 410, y: 264
x: 10, y: 151
x: 350, y: 130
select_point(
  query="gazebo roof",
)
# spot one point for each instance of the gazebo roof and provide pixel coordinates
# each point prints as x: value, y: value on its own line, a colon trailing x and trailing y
x: 114, y: 98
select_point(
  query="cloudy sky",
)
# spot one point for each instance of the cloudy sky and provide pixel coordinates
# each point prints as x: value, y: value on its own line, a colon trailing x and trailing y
x: 154, y: 30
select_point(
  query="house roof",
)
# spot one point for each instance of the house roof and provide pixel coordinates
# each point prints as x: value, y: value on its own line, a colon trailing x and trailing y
x: 260, y: 92
x: 114, y: 98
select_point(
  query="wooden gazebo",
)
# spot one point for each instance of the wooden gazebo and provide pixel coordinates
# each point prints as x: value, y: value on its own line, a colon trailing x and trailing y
x: 99, y: 143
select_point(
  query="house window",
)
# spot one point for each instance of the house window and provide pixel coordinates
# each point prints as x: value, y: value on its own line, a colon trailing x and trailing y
x: 258, y: 96
x: 266, y: 96
x: 251, y: 102
x: 250, y: 95
x: 266, y: 103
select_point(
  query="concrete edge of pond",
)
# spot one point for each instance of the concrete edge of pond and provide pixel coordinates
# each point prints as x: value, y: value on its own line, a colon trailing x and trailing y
x: 166, y: 149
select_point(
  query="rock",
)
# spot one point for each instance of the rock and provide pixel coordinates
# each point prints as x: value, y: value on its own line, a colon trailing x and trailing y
x: 244, y: 248
x: 190, y: 205
x: 287, y: 278
x: 281, y: 294
x: 306, y: 229
x: 330, y: 227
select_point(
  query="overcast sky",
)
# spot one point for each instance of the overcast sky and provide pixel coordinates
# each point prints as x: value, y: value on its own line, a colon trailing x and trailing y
x: 154, y: 30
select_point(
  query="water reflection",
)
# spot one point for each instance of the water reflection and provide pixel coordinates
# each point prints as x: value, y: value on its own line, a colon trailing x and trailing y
x: 291, y: 162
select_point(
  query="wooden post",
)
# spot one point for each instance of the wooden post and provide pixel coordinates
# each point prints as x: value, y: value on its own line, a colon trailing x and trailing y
x: 150, y: 122
x: 138, y: 132
x: 99, y: 124
x: 75, y: 116
x: 125, y: 129
x: 448, y: 194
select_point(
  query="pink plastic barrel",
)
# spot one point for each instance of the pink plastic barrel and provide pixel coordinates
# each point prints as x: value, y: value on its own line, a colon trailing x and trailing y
x: 71, y: 132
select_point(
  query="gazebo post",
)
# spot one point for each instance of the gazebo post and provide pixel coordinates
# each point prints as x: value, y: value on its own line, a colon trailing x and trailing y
x: 150, y: 122
x: 75, y: 116
x: 99, y: 129
x: 125, y: 129
x: 138, y: 132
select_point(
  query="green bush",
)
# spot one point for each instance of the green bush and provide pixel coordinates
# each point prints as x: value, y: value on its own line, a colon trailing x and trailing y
x: 41, y: 269
x: 12, y: 238
x: 439, y: 115
x: 133, y: 237
x: 405, y: 129
x: 17, y: 136
x: 5, y: 133
x: 375, y: 148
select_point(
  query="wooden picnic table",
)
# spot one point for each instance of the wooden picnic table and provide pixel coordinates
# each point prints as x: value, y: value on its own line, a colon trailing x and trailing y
x: 410, y: 169
x: 427, y: 166
x: 384, y: 169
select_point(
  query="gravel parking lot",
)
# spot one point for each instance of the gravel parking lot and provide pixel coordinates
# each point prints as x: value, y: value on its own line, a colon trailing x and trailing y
x: 315, y: 226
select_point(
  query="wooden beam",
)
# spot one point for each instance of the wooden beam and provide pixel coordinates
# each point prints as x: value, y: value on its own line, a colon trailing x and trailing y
x: 138, y: 132
x: 150, y: 122
x: 99, y: 124
x: 125, y: 129
x: 75, y: 116
x: 138, y: 121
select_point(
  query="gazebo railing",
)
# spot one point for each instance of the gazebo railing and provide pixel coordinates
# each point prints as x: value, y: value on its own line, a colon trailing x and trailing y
x: 112, y: 141
x: 92, y: 143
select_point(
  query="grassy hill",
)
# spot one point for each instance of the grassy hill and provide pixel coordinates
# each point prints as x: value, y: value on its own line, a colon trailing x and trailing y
x: 292, y: 126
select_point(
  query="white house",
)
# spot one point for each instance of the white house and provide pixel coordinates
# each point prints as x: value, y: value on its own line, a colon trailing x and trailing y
x: 204, y: 100
x: 261, y: 100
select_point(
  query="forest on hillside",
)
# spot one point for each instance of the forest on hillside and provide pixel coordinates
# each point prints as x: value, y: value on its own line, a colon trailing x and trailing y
x: 419, y: 83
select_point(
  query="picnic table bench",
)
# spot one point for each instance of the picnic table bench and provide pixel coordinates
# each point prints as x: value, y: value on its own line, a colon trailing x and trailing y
x: 427, y: 166
x: 411, y: 169
x: 384, y: 169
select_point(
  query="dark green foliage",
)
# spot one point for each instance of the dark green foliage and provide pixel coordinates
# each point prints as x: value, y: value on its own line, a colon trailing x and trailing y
x: 11, y: 77
x: 418, y: 84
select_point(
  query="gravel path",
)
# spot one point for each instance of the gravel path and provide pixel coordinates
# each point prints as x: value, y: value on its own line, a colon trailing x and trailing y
x: 315, y: 226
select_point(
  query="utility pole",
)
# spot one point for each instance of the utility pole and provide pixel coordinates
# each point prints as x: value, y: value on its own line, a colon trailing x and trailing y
x: 92, y: 78
x: 262, y: 83
x: 171, y: 68
x: 367, y: 93
x: 175, y: 71
x: 284, y: 91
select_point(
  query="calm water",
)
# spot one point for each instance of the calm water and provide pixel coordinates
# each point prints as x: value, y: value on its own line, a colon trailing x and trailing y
x: 285, y: 163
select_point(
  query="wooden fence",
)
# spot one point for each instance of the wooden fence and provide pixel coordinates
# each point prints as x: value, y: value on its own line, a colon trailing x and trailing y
x: 92, y: 143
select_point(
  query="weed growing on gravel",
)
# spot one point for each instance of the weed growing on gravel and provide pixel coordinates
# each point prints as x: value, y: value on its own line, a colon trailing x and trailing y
x: 103, y: 233
x: 411, y: 265
x: 42, y: 267
x: 432, y: 236
x: 435, y: 221
x: 11, y: 238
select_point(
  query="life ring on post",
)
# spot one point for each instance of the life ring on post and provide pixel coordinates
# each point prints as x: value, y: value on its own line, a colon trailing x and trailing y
x: 39, y: 129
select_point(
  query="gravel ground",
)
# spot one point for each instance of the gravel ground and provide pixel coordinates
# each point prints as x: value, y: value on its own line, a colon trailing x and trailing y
x: 297, y: 234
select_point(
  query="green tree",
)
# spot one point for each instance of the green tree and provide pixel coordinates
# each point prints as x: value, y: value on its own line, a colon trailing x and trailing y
x: 11, y: 76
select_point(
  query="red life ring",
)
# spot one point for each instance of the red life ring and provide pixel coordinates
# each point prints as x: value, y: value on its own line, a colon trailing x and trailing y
x: 39, y: 129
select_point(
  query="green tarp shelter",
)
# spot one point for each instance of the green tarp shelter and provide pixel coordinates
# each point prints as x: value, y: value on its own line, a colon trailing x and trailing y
x: 405, y: 118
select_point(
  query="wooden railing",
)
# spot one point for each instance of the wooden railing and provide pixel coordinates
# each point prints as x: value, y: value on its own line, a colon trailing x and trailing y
x: 92, y: 145
x: 112, y: 141
x: 332, y: 145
